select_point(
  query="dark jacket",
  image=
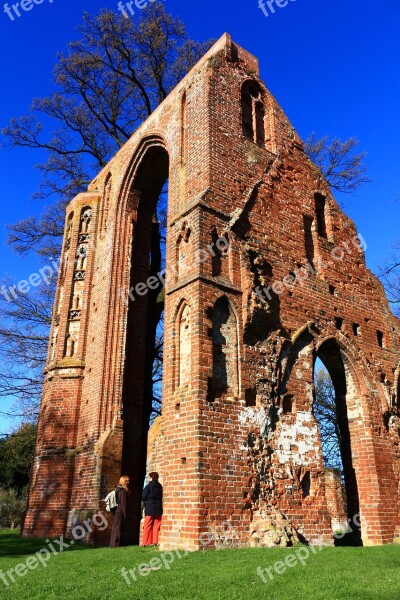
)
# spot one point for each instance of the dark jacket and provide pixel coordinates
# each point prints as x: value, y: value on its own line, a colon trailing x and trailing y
x: 121, y: 499
x: 119, y: 516
x: 152, y: 497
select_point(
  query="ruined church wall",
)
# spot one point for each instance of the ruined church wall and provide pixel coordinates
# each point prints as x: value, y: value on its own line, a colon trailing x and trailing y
x: 238, y: 441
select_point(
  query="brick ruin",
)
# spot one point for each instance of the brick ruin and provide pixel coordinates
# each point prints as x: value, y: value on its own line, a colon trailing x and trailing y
x: 245, y: 321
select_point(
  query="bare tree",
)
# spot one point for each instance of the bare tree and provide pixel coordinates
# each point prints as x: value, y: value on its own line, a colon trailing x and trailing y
x: 338, y: 162
x: 106, y: 84
x: 158, y: 372
x: 390, y: 276
x: 324, y: 410
x: 24, y: 333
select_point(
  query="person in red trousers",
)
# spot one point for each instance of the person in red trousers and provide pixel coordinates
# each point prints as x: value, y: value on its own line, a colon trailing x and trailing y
x: 153, y: 509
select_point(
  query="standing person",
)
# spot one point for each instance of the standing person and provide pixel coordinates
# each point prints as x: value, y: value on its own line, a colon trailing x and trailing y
x: 152, y: 497
x: 122, y: 491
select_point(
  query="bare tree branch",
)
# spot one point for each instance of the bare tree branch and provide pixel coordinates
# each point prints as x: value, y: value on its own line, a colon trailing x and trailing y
x: 389, y: 273
x: 324, y: 410
x: 338, y: 162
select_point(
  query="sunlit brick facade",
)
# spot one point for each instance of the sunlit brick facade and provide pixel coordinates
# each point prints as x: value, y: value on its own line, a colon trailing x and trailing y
x: 244, y: 325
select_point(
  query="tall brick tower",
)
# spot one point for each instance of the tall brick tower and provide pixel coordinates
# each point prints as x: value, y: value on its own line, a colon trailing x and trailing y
x: 264, y: 274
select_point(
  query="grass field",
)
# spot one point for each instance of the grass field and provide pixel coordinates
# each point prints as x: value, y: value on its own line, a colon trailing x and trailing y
x: 95, y: 574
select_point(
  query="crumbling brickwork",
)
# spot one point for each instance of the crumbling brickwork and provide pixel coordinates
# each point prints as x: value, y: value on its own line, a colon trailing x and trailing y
x: 245, y: 320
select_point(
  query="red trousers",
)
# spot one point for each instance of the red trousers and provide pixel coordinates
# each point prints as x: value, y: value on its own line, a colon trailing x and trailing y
x: 151, y: 528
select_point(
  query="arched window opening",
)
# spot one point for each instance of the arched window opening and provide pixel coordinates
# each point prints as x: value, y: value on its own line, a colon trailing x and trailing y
x: 86, y: 219
x: 143, y: 369
x: 253, y: 113
x: 330, y: 410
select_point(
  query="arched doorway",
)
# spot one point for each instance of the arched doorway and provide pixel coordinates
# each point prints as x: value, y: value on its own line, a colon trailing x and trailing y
x: 143, y: 354
x: 331, y: 412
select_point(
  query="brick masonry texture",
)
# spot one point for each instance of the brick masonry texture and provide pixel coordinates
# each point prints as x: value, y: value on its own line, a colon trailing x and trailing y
x: 237, y: 441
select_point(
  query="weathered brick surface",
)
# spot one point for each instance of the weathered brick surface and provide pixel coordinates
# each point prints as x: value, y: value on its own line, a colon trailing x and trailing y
x: 238, y: 439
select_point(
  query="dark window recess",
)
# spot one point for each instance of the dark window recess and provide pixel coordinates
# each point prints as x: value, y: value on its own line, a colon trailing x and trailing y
x: 320, y: 207
x: 251, y: 397
x: 379, y: 335
x: 247, y: 117
x: 338, y: 323
x: 356, y: 329
x: 260, y: 129
x: 331, y: 290
x: 184, y: 129
x: 287, y: 404
x: 306, y: 484
x: 308, y: 239
x: 253, y: 113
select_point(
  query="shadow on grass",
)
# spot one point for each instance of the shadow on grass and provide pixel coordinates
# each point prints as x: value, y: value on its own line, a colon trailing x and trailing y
x: 12, y: 544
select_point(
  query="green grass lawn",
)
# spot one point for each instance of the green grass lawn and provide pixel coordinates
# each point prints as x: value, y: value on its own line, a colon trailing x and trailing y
x: 95, y: 574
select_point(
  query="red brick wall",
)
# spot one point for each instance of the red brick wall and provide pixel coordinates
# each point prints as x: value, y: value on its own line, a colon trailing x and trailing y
x: 252, y: 446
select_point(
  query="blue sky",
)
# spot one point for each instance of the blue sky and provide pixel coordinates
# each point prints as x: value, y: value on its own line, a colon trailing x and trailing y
x: 333, y: 65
